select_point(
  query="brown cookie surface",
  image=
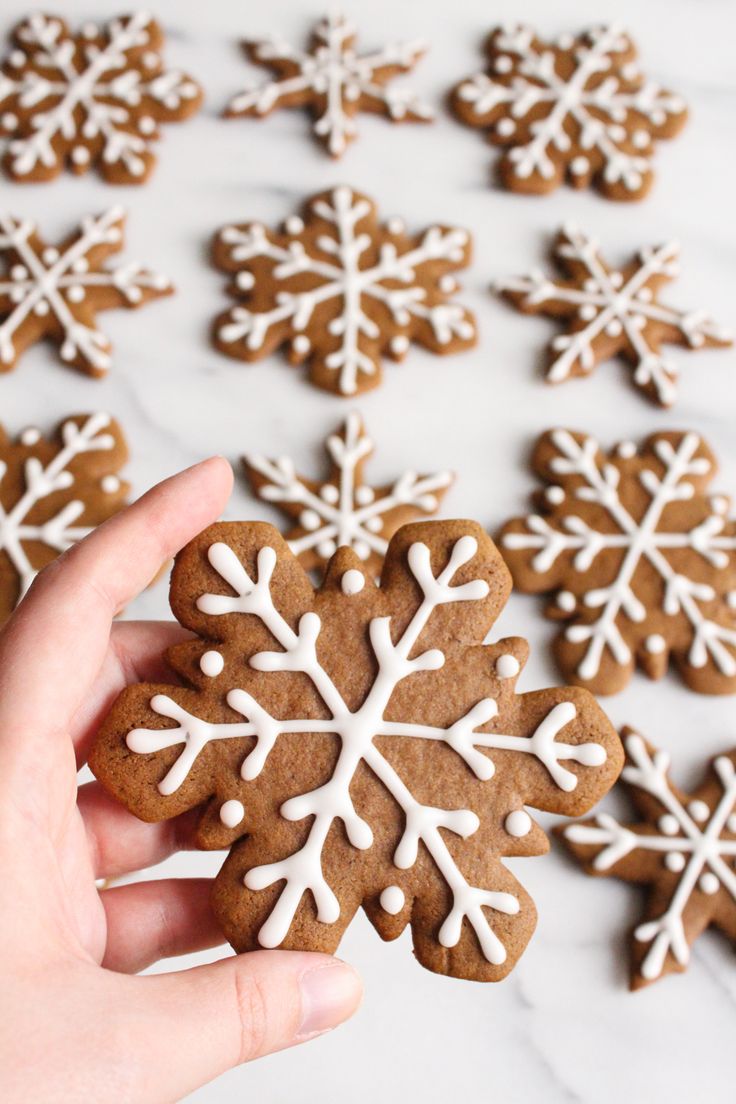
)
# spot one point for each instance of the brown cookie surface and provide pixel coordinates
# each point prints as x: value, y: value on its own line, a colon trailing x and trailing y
x: 358, y: 744
x: 96, y: 98
x: 577, y: 110
x: 682, y: 848
x: 340, y: 290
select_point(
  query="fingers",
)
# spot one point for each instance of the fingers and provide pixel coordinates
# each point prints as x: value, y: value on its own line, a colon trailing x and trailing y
x: 120, y: 843
x: 55, y: 643
x: 147, y: 921
x: 188, y: 1027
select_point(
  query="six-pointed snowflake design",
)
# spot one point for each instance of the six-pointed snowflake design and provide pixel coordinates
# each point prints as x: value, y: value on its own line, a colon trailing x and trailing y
x: 642, y: 559
x: 578, y: 109
x: 340, y: 290
x: 53, y: 292
x: 52, y: 493
x: 613, y: 312
x: 333, y: 81
x: 684, y: 848
x: 93, y: 98
x: 373, y: 750
x: 344, y: 510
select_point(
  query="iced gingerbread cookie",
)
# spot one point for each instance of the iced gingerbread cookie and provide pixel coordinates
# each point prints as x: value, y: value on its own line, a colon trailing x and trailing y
x: 333, y: 81
x: 639, y: 560
x: 613, y: 312
x: 340, y: 289
x: 358, y: 744
x: 96, y: 98
x: 578, y: 110
x: 55, y: 292
x: 53, y: 492
x: 344, y: 510
x: 682, y: 848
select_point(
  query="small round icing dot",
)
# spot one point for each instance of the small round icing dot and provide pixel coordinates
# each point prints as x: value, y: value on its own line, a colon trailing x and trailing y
x: 399, y: 344
x: 329, y: 493
x: 231, y: 813
x: 309, y: 520
x: 518, y: 823
x: 626, y: 450
x: 709, y: 883
x: 579, y: 165
x: 352, y: 581
x: 699, y: 811
x: 294, y: 225
x: 566, y: 601
x: 392, y: 899
x: 507, y: 666
x: 110, y: 484
x: 668, y: 825
x: 655, y: 644
x: 211, y: 664
x: 80, y: 155
x: 364, y: 495
x: 503, y: 64
x: 50, y: 255
x: 30, y: 436
x: 555, y: 495
x: 326, y: 548
x: 301, y: 344
x: 675, y: 861
x: 505, y: 127
x: 396, y: 225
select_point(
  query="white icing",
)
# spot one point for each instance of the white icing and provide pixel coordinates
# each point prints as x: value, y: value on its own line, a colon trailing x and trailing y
x: 59, y: 532
x: 537, y: 99
x: 646, y: 539
x: 392, y: 900
x: 212, y: 664
x: 620, y: 310
x: 110, y: 484
x: 655, y: 644
x: 518, y: 823
x: 565, y: 598
x: 507, y: 666
x: 356, y: 287
x: 352, y: 581
x: 331, y: 78
x: 85, y: 96
x: 705, y: 856
x: 349, y: 514
x: 46, y: 283
x: 357, y: 730
x: 232, y: 813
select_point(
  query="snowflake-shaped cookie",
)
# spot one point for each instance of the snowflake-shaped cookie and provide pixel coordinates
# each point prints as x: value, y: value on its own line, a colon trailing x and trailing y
x: 53, y: 491
x: 55, y: 292
x: 343, y: 510
x: 683, y: 849
x: 95, y: 98
x: 613, y: 312
x: 642, y: 560
x: 357, y: 744
x: 340, y: 290
x: 333, y: 81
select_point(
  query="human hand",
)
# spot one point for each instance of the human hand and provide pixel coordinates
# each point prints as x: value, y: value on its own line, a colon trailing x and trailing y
x: 75, y: 1024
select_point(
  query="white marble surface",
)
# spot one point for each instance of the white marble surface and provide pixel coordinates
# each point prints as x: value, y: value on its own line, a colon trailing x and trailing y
x: 563, y: 1027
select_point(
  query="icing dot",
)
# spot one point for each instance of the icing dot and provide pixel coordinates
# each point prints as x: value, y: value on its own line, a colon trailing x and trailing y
x: 30, y: 436
x: 80, y: 265
x: 505, y: 127
x: 579, y: 166
x: 588, y: 312
x: 41, y: 308
x: 518, y: 823
x: 329, y: 493
x: 503, y: 64
x: 110, y: 484
x: 395, y: 226
x: 640, y: 138
x: 364, y: 495
x: 374, y: 525
x: 655, y: 644
x: 80, y: 155
x: 211, y: 664
x: 555, y: 495
x: 231, y: 813
x: 75, y: 294
x: 507, y: 666
x: 326, y: 549
x: 352, y: 581
x: 309, y: 520
x: 709, y: 883
x: 614, y: 328
x: 361, y: 549
x: 392, y: 899
x: 294, y: 225
x: 17, y: 59
x: 626, y: 450
x: 617, y: 279
x: 301, y: 344
x: 50, y: 255
x: 699, y: 811
x: 566, y: 601
x: 668, y: 825
x: 9, y: 121
x: 399, y: 344
x: 146, y: 124
x: 18, y: 272
x: 245, y: 280
x: 674, y: 861
x: 719, y: 504
x: 447, y: 284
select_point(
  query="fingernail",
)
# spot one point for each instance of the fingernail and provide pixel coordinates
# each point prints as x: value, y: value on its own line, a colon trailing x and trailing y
x: 329, y: 994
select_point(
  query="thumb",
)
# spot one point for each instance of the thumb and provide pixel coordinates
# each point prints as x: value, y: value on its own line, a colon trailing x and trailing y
x: 188, y: 1027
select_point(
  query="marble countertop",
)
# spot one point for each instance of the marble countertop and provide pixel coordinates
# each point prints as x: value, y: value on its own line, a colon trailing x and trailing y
x: 563, y: 1027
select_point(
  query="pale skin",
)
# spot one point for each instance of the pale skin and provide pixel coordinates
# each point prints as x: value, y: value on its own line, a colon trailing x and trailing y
x: 77, y: 1024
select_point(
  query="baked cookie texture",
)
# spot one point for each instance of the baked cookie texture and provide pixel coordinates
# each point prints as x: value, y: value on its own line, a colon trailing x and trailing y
x: 358, y: 744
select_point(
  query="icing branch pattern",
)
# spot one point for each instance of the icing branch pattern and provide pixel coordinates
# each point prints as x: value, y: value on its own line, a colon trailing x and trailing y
x: 614, y: 312
x: 333, y: 81
x: 339, y: 290
x: 63, y: 482
x: 93, y: 98
x: 577, y: 109
x: 344, y: 511
x: 548, y: 747
x: 684, y: 847
x: 53, y: 292
x: 602, y: 550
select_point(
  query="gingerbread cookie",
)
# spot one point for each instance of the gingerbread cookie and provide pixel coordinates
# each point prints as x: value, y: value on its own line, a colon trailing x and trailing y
x: 578, y: 109
x: 339, y: 290
x: 94, y: 98
x: 332, y: 81
x: 683, y: 849
x: 613, y: 312
x: 641, y: 560
x: 55, y: 292
x: 344, y: 511
x: 358, y: 744
x: 53, y: 492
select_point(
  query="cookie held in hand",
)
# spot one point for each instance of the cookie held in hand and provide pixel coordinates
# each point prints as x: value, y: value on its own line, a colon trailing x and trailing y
x: 358, y: 744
